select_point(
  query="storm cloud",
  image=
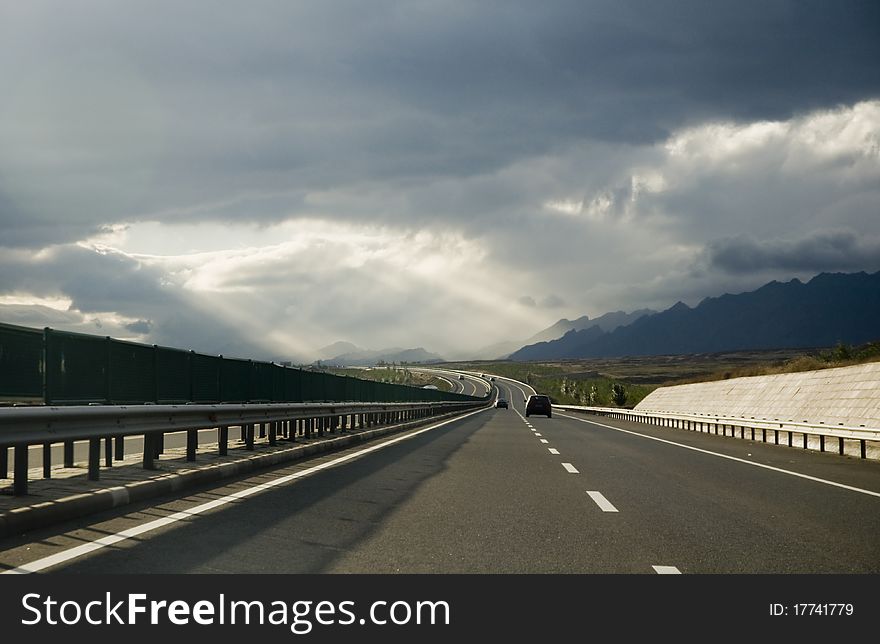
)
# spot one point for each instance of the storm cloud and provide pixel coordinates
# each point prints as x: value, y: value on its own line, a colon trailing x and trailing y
x: 272, y: 177
x: 831, y: 251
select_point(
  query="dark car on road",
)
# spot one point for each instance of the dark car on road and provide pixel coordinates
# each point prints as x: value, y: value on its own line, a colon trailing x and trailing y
x: 501, y: 403
x: 539, y: 405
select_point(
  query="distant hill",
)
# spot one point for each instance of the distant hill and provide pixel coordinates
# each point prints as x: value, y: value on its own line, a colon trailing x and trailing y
x: 830, y: 308
x: 366, y: 357
x: 337, y: 349
x: 607, y: 322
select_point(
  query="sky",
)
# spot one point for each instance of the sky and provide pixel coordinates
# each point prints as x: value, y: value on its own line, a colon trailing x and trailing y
x: 264, y: 178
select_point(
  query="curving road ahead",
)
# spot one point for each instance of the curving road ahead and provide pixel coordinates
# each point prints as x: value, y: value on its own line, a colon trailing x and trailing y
x: 496, y: 492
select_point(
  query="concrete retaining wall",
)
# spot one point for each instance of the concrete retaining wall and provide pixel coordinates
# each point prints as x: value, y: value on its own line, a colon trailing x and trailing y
x: 846, y: 395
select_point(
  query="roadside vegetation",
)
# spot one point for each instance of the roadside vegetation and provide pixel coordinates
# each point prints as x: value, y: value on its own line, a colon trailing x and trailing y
x: 842, y: 355
x: 624, y: 382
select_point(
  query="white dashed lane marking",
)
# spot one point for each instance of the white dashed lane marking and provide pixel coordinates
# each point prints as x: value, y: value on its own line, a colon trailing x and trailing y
x: 666, y: 570
x: 601, y: 501
x: 553, y: 451
x: 544, y: 440
x: 571, y: 469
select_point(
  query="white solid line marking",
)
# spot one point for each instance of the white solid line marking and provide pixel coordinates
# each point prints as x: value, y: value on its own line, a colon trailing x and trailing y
x: 109, y: 540
x: 731, y: 458
x: 571, y: 469
x: 544, y: 440
x: 602, y: 502
x: 553, y: 450
x: 666, y: 570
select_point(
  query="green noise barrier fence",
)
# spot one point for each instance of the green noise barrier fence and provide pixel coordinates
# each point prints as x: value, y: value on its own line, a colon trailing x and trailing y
x: 63, y: 368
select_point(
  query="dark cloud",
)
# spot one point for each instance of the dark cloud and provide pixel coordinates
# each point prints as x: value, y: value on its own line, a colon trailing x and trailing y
x: 274, y: 101
x: 443, y: 117
x: 841, y: 250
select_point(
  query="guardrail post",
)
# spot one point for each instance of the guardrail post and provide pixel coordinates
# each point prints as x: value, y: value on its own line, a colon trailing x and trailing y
x: 108, y: 451
x: 68, y: 453
x: 94, y: 459
x: 862, y: 449
x: 223, y: 440
x: 120, y: 447
x: 262, y: 430
x: 273, y: 429
x: 149, y: 451
x: 4, y: 462
x: 192, y: 440
x: 821, y: 442
x: 249, y: 436
x: 47, y: 460
x: 160, y: 443
x: 840, y: 445
x: 20, y: 470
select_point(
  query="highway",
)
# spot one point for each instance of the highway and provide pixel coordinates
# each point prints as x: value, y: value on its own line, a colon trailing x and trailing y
x: 495, y: 492
x: 461, y: 382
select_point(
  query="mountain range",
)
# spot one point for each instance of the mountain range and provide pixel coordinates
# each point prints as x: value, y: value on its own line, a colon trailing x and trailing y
x: 830, y: 308
x: 607, y: 322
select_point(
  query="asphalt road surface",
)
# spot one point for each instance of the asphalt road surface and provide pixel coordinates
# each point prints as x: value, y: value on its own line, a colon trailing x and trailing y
x: 497, y: 492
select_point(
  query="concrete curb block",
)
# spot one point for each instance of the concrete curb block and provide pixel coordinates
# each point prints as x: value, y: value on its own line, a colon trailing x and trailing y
x: 21, y: 520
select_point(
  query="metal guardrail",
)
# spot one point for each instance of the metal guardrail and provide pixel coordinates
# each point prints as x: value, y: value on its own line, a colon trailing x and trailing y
x: 21, y: 427
x: 709, y: 422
